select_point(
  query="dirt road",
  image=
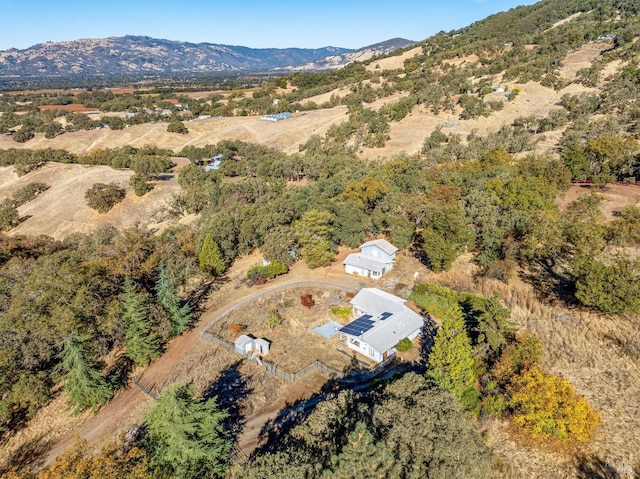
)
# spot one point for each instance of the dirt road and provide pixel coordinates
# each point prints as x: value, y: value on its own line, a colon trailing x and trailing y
x: 127, y: 407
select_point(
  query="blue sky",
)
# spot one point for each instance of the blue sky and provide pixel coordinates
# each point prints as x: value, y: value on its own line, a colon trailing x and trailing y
x: 256, y: 24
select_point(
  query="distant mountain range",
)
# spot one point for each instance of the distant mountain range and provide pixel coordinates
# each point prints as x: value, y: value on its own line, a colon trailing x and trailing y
x: 139, y: 55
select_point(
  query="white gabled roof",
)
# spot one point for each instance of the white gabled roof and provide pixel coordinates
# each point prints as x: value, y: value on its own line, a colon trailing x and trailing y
x: 386, y: 333
x: 383, y: 244
x: 363, y: 261
x: 398, y: 323
x: 374, y: 301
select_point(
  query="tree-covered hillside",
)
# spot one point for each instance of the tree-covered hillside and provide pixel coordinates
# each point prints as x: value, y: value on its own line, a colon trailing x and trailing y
x: 495, y: 197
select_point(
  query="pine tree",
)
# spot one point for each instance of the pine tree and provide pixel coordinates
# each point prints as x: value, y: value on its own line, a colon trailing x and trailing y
x: 85, y: 385
x: 141, y: 346
x: 179, y: 312
x: 362, y: 458
x: 451, y: 359
x: 210, y: 257
x: 185, y: 437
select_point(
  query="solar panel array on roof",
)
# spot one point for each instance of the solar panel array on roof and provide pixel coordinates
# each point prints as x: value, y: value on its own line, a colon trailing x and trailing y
x: 384, y: 316
x: 359, y: 326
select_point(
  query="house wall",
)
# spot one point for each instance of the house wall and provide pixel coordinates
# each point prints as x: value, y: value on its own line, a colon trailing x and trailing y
x: 354, y: 270
x: 373, y: 250
x: 363, y: 348
x: 362, y: 272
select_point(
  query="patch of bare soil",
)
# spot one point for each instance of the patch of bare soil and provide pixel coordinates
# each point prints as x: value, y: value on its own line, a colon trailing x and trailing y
x: 581, y: 58
x: 293, y: 343
x: 616, y: 197
x: 62, y: 209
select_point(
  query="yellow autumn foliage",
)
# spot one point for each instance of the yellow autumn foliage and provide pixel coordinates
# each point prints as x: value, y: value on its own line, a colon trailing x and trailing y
x: 548, y: 407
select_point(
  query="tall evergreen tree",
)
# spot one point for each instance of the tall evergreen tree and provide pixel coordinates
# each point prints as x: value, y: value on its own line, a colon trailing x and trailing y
x: 451, y: 363
x: 210, y: 257
x: 179, y: 311
x: 84, y: 384
x: 185, y: 437
x: 141, y: 345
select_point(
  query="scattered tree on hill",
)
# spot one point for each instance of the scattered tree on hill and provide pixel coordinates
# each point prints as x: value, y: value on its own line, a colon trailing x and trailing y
x: 85, y: 385
x: 179, y: 312
x: 184, y: 436
x: 102, y: 197
x: 140, y: 185
x: 210, y: 257
x: 141, y: 345
x: 611, y: 286
x: 24, y: 134
x: 9, y: 217
x: 177, y: 127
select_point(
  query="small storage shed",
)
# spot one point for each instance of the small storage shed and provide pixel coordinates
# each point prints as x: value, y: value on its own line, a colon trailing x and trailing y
x: 262, y: 346
x: 244, y: 343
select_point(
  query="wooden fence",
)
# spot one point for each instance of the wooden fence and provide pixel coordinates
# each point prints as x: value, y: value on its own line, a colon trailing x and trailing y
x: 278, y: 371
x: 270, y: 367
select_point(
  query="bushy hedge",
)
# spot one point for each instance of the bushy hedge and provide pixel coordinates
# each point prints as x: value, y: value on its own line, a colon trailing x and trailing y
x: 262, y: 273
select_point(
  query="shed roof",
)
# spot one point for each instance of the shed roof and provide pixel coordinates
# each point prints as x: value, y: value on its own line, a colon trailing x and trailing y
x: 242, y: 341
x: 364, y: 261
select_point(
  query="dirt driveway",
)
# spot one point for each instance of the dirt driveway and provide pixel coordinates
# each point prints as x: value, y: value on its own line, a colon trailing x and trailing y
x: 125, y: 410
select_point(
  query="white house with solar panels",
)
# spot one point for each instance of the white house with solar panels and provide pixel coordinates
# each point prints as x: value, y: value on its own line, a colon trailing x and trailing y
x: 374, y: 259
x: 382, y: 320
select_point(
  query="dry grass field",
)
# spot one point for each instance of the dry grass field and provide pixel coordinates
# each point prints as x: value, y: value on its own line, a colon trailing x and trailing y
x: 599, y: 354
x: 62, y: 209
x: 293, y: 343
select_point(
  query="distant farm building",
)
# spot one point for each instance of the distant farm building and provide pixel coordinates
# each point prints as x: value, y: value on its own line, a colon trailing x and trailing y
x: 375, y: 259
x: 277, y: 116
x: 214, y: 163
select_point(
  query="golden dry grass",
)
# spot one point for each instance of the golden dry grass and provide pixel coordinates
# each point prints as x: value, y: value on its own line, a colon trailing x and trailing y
x: 62, y: 209
x: 593, y: 351
x: 293, y: 343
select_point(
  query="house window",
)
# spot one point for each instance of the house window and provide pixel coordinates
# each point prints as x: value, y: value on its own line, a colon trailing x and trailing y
x: 371, y: 351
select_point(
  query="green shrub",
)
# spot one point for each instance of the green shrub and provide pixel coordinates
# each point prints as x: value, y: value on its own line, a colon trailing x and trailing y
x: 140, y: 185
x: 404, y: 345
x: 341, y: 312
x: 270, y: 271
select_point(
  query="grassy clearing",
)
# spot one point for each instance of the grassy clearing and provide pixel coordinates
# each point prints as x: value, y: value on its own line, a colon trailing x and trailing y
x: 597, y: 353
